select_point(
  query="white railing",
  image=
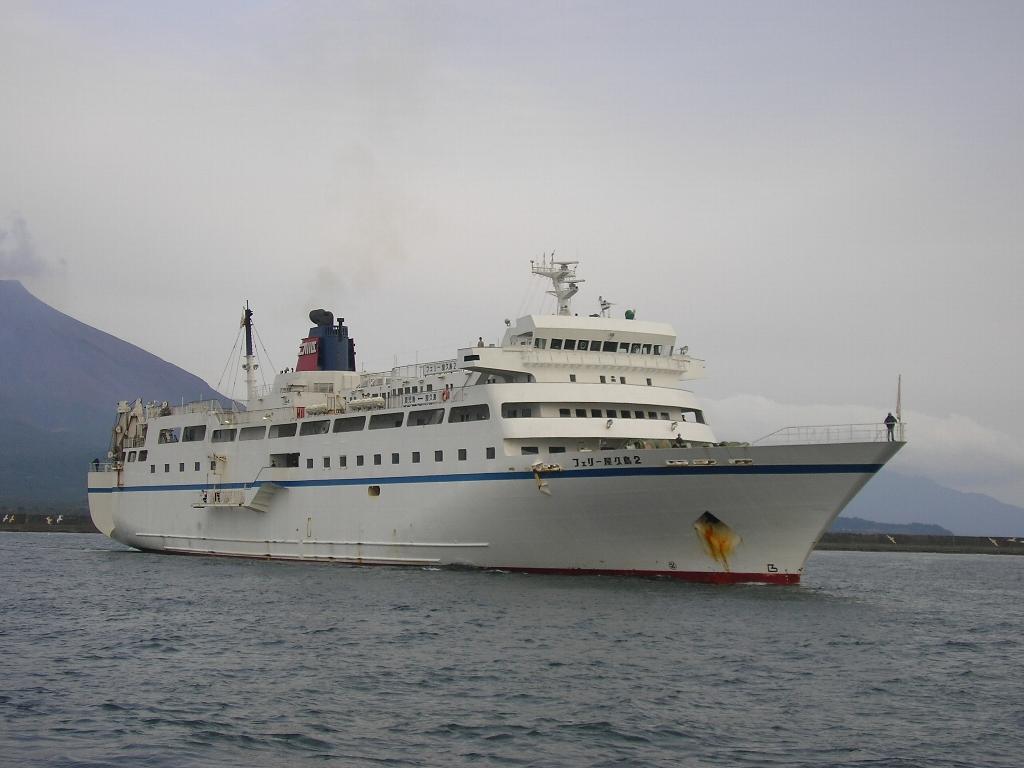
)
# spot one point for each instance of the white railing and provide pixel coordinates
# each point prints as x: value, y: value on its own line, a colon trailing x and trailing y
x: 834, y: 433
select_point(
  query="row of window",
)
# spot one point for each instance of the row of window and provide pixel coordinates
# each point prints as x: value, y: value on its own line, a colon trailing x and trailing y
x: 415, y: 457
x: 533, y: 410
x: 610, y: 413
x: 167, y: 467
x: 291, y: 460
x: 590, y: 345
x: 417, y: 418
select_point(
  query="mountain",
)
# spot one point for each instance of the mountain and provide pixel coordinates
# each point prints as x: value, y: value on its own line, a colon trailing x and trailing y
x: 60, y: 381
x: 892, y: 497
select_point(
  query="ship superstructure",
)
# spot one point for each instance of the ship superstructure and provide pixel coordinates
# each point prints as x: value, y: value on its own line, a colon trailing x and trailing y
x: 568, y: 447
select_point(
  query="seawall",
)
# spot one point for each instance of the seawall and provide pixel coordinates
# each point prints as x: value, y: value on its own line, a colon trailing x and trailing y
x: 898, y: 542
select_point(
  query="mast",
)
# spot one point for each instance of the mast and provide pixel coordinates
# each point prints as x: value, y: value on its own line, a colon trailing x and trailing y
x: 562, y: 275
x: 250, y: 365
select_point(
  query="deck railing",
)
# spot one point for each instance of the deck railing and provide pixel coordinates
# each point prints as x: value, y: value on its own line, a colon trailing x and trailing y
x: 834, y: 433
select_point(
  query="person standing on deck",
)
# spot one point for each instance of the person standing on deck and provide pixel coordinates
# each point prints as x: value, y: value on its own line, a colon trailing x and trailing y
x: 890, y: 425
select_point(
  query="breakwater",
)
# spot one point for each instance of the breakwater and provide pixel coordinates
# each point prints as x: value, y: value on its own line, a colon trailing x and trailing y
x: 899, y: 542
x: 53, y: 523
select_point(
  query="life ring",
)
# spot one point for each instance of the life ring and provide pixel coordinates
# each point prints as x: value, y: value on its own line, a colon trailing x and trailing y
x: 444, y: 396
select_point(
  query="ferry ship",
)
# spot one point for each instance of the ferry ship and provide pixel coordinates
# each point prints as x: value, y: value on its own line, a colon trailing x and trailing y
x: 570, y: 447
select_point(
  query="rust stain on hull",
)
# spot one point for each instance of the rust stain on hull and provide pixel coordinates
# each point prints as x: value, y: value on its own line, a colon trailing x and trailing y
x: 719, y: 539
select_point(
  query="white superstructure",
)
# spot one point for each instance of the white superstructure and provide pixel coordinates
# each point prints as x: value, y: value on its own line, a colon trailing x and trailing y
x: 569, y: 447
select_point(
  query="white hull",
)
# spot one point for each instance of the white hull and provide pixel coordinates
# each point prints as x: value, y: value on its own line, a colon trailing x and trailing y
x: 638, y: 519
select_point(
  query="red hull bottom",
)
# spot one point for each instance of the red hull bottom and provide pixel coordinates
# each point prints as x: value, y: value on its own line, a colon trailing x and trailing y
x: 703, y: 577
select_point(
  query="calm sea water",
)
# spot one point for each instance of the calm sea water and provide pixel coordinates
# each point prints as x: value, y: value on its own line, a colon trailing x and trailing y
x: 111, y: 657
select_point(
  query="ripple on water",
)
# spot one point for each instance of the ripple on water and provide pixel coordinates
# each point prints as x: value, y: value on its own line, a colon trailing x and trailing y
x: 877, y: 660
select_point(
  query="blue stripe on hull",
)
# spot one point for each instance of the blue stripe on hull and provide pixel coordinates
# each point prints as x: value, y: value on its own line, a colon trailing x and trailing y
x: 470, y: 477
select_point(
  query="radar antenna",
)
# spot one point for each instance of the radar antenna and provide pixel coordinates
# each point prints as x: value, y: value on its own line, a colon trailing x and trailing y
x: 606, y: 306
x: 562, y: 274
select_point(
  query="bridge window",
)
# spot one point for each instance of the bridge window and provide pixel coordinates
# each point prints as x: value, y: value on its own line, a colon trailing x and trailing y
x: 386, y: 420
x: 581, y: 413
x: 624, y: 346
x: 193, y: 434
x: 425, y: 416
x: 284, y: 460
x: 252, y: 433
x: 570, y: 344
x: 350, y: 424
x: 595, y: 413
x: 169, y: 435
x: 634, y: 349
x: 657, y: 349
x: 582, y: 345
x: 143, y: 455
x: 461, y: 413
x: 517, y: 410
x: 224, y: 435
x: 320, y: 427
x: 564, y: 413
x: 647, y: 349
x: 282, y: 430
x: 131, y: 456
x: 540, y: 343
x: 556, y: 343
x: 611, y: 413
x: 609, y: 346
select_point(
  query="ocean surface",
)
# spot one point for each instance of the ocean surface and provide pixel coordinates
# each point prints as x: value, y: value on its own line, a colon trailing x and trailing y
x: 110, y: 657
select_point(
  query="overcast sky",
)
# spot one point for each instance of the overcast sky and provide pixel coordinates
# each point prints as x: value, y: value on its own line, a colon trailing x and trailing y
x: 819, y: 196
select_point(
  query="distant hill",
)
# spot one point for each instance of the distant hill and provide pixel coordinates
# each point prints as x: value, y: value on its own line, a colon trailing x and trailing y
x: 895, y: 498
x: 60, y: 381
x: 845, y: 524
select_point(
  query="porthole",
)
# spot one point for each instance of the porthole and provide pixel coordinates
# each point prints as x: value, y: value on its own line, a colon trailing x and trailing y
x: 373, y: 490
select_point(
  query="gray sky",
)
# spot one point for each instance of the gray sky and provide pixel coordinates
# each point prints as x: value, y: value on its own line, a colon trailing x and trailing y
x: 819, y: 196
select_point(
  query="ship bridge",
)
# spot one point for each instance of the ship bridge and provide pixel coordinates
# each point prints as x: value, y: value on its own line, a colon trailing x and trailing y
x: 600, y: 350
